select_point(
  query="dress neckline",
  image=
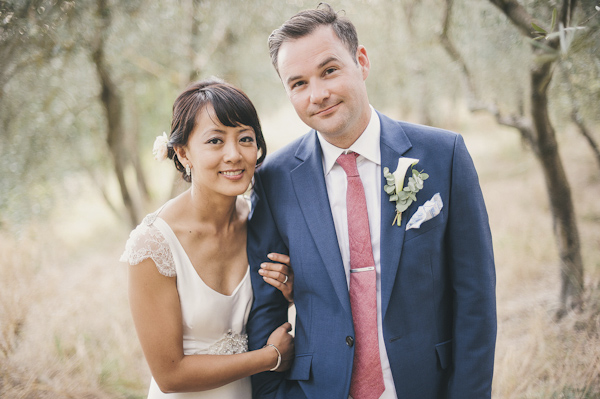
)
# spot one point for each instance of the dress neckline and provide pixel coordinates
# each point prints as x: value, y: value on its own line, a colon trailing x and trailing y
x: 190, y: 264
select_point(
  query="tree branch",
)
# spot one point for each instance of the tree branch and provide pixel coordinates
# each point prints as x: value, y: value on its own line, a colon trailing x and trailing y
x: 577, y: 118
x: 519, y: 122
x: 517, y: 14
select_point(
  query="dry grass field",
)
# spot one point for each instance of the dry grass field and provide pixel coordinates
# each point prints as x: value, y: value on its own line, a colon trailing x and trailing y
x: 66, y: 332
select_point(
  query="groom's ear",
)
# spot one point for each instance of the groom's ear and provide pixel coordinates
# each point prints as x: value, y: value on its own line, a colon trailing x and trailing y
x: 363, y: 61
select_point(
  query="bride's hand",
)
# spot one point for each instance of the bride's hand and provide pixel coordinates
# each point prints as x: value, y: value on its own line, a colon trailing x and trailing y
x: 284, y: 341
x: 280, y: 275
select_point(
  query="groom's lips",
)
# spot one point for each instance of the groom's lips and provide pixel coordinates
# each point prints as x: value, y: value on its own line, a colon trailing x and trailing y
x: 327, y: 110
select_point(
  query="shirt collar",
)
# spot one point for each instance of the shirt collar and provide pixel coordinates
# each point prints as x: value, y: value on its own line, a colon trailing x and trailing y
x: 367, y: 145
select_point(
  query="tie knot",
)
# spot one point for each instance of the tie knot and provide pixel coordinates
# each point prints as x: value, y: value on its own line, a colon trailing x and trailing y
x: 348, y: 163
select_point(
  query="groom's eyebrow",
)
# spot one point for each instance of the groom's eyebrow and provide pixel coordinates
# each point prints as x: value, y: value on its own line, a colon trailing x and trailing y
x: 321, y: 65
x: 327, y: 61
x: 292, y: 79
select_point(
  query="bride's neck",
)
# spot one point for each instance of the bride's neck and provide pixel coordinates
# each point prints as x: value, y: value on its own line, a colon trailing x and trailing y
x: 214, y: 209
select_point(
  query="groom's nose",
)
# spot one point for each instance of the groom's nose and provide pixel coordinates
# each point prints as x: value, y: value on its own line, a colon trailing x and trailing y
x: 318, y: 91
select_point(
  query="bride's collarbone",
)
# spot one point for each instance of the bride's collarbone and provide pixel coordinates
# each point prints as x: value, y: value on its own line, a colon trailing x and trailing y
x: 220, y: 262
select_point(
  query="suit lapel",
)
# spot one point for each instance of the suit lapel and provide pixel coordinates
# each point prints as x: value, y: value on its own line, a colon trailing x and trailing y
x: 309, y: 184
x: 394, y: 144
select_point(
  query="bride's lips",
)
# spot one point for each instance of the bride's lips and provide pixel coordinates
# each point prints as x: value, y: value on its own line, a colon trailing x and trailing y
x: 235, y: 174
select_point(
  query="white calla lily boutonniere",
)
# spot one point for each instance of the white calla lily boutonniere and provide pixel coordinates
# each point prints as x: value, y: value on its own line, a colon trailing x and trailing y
x: 403, y: 196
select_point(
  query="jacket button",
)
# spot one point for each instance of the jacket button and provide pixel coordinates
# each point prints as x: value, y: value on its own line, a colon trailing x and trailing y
x: 349, y: 341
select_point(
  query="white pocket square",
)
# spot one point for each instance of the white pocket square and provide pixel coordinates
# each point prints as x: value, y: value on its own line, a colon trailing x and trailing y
x: 425, y: 212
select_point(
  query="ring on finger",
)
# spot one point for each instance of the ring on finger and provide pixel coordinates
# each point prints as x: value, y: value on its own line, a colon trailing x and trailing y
x: 286, y: 279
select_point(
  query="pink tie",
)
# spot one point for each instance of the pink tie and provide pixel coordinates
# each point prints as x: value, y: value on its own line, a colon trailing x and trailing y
x: 367, y: 377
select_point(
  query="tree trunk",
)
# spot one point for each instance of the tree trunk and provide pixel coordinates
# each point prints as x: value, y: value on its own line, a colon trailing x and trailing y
x: 557, y: 185
x: 539, y: 132
x: 134, y: 158
x: 113, y: 107
x: 559, y: 192
x: 114, y: 138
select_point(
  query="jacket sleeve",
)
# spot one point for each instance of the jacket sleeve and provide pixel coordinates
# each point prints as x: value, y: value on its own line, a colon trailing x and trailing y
x: 269, y: 309
x: 472, y: 270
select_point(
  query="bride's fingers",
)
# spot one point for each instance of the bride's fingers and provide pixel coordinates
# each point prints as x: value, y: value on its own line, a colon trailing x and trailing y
x: 279, y: 280
x: 284, y: 288
x: 276, y: 271
x: 279, y: 274
x: 281, y: 258
x: 281, y: 265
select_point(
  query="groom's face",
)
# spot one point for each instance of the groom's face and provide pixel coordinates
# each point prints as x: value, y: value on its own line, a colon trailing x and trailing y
x: 325, y: 84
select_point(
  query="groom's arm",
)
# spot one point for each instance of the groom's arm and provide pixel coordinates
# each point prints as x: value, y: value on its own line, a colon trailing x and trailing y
x: 471, y: 263
x: 269, y: 309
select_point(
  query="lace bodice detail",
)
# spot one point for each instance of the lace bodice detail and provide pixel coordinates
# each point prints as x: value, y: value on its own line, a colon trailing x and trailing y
x: 147, y: 241
x: 230, y: 344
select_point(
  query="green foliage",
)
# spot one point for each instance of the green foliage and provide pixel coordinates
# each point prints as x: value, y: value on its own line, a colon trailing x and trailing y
x: 52, y: 125
x: 541, y: 30
x: 409, y: 193
x: 405, y: 196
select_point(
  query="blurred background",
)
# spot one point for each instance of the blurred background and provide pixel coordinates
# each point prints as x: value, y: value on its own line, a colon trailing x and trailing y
x: 86, y: 86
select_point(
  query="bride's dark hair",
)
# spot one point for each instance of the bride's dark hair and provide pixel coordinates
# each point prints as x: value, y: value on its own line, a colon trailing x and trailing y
x: 232, y: 107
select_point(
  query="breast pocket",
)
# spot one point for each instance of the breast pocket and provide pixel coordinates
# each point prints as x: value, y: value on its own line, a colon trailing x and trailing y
x: 426, y: 226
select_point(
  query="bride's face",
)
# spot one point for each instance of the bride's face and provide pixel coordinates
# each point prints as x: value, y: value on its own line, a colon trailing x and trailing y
x: 222, y: 158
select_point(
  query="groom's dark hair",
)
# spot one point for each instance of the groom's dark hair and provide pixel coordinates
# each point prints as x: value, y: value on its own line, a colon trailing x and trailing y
x: 305, y: 22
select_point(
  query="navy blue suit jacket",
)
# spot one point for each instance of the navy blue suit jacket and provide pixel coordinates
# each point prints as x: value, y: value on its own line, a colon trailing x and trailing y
x: 438, y: 281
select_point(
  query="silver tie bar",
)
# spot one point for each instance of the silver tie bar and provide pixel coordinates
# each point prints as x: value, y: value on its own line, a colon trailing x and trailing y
x: 362, y: 269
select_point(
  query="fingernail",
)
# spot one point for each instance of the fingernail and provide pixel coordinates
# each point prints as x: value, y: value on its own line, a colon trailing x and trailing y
x: 270, y: 256
x: 263, y: 265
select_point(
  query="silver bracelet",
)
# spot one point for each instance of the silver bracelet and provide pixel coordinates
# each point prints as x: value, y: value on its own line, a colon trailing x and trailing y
x: 278, y: 357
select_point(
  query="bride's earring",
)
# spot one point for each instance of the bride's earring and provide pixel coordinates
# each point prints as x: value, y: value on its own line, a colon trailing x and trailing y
x: 188, y: 171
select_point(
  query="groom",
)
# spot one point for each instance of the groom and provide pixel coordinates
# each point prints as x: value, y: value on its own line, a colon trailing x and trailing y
x: 394, y: 288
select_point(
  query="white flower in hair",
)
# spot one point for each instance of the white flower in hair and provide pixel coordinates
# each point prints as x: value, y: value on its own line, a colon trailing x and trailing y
x: 160, y: 149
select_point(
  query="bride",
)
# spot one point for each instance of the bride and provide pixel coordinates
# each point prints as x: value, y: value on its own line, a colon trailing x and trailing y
x: 189, y: 281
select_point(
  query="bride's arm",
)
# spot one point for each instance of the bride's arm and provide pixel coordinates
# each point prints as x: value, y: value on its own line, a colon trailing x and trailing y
x: 157, y: 317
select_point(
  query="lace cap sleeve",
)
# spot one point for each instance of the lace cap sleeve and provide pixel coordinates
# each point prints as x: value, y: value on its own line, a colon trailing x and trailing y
x: 147, y: 241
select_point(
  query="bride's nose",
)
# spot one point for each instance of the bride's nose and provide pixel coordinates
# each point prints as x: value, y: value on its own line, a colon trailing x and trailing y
x: 232, y: 152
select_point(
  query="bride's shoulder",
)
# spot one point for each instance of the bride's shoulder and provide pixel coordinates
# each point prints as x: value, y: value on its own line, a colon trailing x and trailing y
x: 148, y: 241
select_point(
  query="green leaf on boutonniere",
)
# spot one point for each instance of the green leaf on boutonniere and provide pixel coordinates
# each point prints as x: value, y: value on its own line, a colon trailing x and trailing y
x: 403, y: 196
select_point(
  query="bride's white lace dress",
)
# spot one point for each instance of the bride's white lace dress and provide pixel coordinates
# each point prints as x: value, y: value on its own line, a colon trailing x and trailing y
x: 213, y: 323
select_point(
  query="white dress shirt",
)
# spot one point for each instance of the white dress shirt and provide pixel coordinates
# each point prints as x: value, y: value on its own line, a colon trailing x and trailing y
x: 369, y: 169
